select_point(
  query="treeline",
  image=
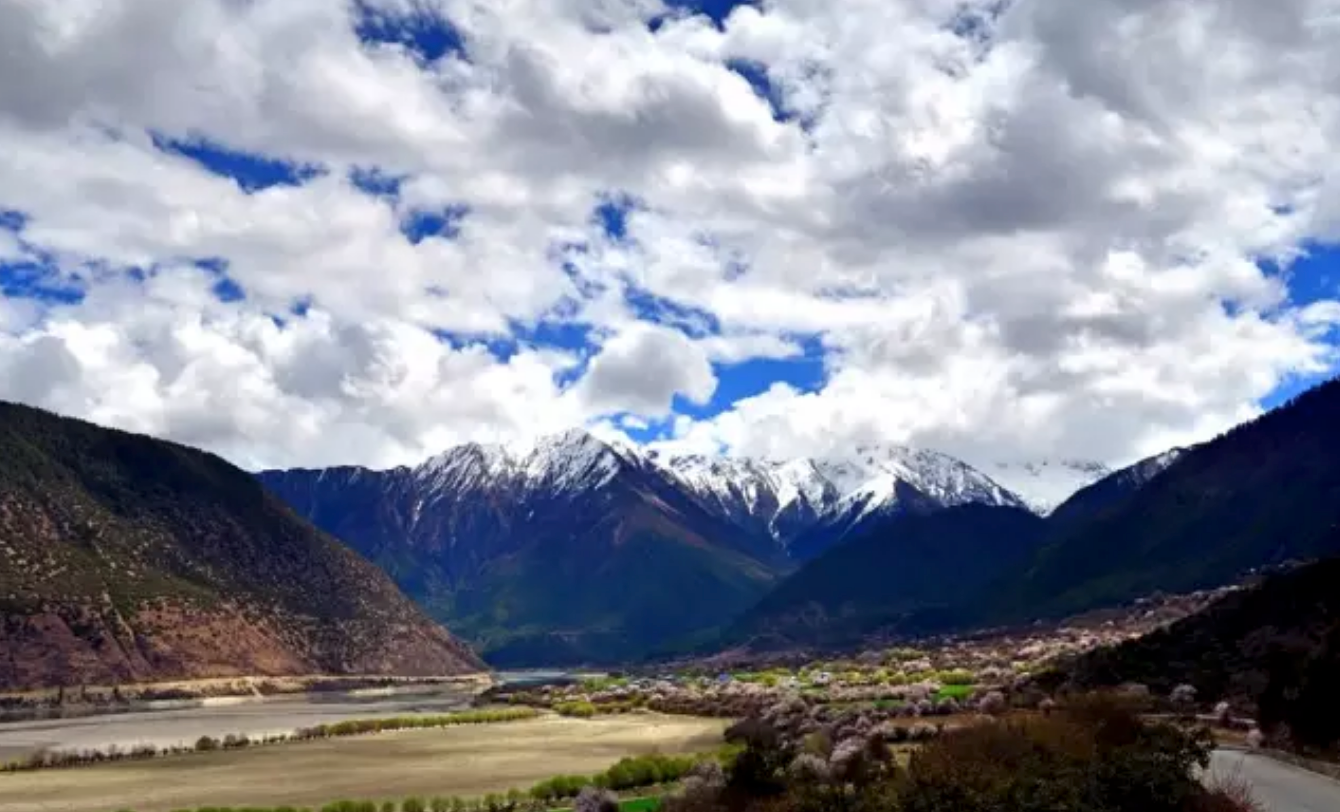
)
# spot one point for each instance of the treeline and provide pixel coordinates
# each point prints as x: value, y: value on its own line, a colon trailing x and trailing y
x: 356, y: 727
x: 633, y: 772
x: 54, y: 759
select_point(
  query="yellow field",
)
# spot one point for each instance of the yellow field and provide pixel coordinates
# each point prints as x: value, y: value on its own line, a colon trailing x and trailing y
x: 468, y: 760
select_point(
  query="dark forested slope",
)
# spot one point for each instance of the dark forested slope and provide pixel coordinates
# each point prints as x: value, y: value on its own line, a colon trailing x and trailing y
x: 1273, y: 648
x: 911, y: 571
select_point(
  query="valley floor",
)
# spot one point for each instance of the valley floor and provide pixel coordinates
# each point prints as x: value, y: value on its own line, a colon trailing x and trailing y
x: 466, y: 761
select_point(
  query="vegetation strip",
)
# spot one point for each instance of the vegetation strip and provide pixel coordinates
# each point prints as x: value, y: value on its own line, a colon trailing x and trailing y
x: 351, y: 727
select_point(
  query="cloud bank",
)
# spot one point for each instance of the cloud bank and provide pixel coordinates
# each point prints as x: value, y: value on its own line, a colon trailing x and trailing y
x: 308, y: 232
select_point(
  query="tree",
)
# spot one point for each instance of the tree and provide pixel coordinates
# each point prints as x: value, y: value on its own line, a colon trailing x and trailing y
x: 993, y: 703
x: 594, y: 799
x: 1183, y: 694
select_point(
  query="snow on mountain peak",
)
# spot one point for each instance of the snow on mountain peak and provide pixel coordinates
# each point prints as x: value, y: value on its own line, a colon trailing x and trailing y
x: 776, y: 492
x: 880, y: 469
x: 566, y: 460
x: 1146, y: 469
x: 1043, y: 484
x: 865, y: 481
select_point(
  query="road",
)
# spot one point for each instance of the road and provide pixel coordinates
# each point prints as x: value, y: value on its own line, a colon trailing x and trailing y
x: 1278, y: 786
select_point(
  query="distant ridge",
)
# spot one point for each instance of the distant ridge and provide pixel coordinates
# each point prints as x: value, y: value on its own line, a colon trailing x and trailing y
x: 1261, y: 495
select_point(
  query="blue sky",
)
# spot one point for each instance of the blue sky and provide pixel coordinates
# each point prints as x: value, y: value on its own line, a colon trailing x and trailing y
x: 391, y: 173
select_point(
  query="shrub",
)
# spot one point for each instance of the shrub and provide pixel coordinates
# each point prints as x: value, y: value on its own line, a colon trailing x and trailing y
x: 1183, y: 694
x: 413, y: 805
x: 1092, y: 756
x: 1228, y: 793
x: 592, y: 799
x: 993, y: 703
x: 581, y: 710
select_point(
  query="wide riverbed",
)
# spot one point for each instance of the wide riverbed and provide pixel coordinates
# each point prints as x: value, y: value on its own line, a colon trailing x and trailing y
x: 252, y: 717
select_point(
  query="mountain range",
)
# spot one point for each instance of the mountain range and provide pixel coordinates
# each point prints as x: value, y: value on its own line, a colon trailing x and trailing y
x: 576, y: 550
x: 124, y: 558
x: 573, y: 548
x: 1264, y: 494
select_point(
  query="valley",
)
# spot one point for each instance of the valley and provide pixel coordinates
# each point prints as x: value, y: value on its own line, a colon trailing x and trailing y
x: 904, y: 601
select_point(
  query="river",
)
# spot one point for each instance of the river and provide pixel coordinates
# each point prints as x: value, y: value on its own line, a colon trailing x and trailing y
x: 249, y: 716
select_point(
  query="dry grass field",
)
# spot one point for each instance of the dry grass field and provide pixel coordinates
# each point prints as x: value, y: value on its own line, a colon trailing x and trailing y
x: 468, y: 760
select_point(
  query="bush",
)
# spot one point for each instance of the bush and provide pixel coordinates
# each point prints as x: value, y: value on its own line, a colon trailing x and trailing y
x: 993, y: 703
x: 581, y: 710
x: 592, y: 799
x: 1096, y: 755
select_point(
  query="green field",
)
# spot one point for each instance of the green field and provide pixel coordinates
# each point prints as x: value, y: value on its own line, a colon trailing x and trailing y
x: 650, y: 804
x: 959, y: 692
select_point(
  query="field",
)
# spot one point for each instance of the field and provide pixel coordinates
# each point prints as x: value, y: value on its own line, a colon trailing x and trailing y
x: 466, y: 761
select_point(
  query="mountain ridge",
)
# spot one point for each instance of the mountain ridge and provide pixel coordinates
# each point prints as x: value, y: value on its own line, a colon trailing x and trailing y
x: 125, y: 558
x: 478, y: 534
x: 1262, y: 494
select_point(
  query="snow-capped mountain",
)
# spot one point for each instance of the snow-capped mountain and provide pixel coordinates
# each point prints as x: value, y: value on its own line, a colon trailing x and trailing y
x: 777, y: 498
x: 1095, y: 497
x: 558, y: 463
x: 1044, y: 484
x: 570, y: 547
x: 787, y: 498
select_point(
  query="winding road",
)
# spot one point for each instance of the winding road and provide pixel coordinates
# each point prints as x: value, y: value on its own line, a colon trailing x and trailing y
x: 1278, y: 786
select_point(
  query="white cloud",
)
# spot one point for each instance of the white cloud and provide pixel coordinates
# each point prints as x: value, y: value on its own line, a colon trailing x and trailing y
x: 1035, y: 237
x: 643, y: 368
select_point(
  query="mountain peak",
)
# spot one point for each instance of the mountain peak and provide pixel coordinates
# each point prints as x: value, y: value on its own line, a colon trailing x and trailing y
x: 571, y: 459
x: 1043, y: 484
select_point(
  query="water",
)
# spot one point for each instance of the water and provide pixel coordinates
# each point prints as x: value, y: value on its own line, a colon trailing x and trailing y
x: 251, y: 717
x: 536, y: 677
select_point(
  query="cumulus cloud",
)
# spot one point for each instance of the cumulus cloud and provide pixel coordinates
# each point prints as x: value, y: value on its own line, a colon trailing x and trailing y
x: 1013, y: 230
x: 643, y: 368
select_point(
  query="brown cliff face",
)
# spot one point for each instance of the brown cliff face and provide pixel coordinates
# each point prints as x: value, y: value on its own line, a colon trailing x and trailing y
x: 124, y: 558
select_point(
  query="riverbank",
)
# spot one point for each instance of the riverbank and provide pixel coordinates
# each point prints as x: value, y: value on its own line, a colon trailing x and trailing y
x: 255, y: 718
x: 98, y: 700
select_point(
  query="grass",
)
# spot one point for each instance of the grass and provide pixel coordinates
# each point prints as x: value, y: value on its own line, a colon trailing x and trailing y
x: 466, y: 761
x: 648, y: 804
x: 958, y: 692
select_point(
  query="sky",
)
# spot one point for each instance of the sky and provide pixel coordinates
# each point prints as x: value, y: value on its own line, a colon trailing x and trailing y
x: 308, y: 232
